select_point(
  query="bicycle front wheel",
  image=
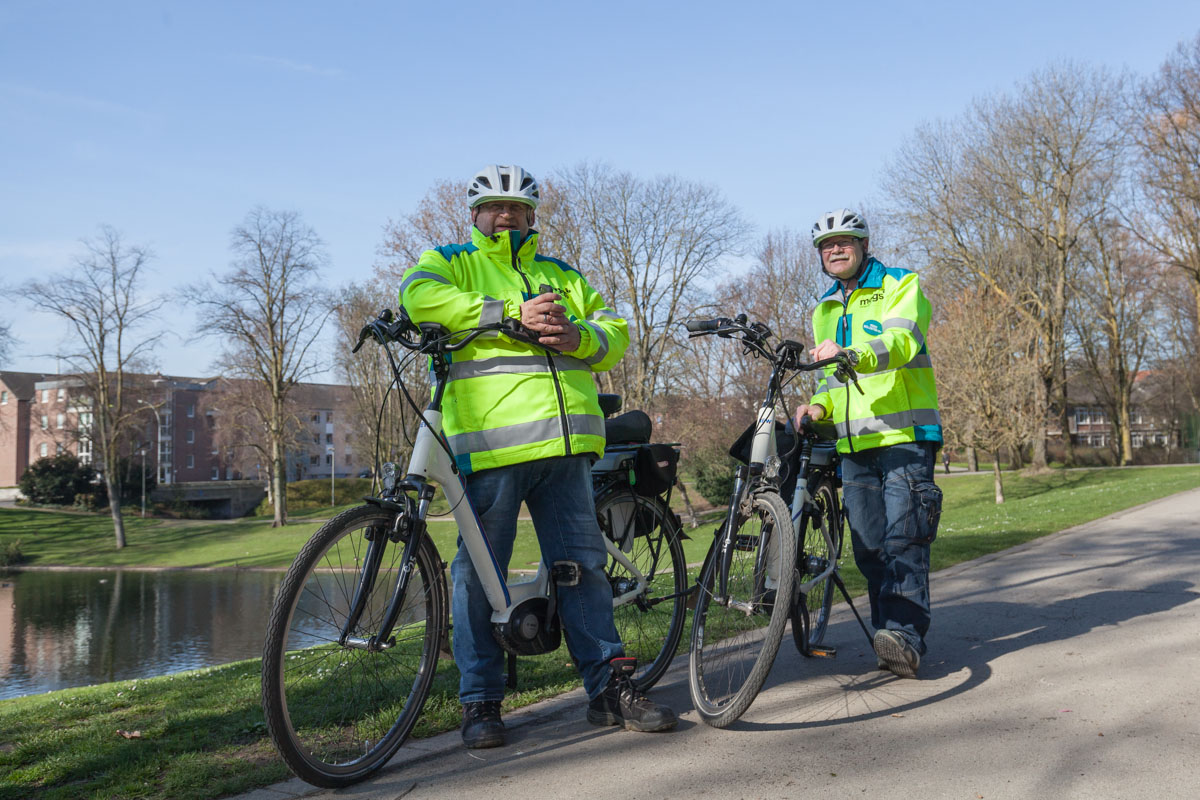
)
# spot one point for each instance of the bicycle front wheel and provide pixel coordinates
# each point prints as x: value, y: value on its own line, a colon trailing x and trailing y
x: 337, y: 713
x: 737, y: 628
x: 650, y: 619
x: 821, y: 549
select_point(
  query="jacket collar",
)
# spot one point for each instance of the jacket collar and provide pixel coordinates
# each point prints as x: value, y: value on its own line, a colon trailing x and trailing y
x: 501, y: 246
x: 871, y: 277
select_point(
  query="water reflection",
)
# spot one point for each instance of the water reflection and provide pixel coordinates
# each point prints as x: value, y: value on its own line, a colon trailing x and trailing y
x: 64, y: 629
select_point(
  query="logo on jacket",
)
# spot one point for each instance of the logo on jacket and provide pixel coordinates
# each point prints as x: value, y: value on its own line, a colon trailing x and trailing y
x: 866, y: 301
x: 872, y: 327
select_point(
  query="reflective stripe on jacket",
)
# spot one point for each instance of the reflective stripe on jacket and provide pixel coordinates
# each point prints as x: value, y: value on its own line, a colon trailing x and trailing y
x: 884, y: 320
x: 507, y: 402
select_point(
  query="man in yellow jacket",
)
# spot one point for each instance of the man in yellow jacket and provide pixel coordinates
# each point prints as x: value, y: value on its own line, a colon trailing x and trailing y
x: 888, y: 434
x: 525, y: 424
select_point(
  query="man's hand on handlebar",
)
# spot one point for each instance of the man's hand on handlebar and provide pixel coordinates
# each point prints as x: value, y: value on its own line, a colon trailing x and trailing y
x: 814, y: 412
x: 826, y: 349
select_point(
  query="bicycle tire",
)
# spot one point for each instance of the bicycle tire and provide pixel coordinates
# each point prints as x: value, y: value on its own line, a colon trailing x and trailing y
x: 821, y: 541
x: 650, y: 624
x: 733, y: 648
x: 338, y: 714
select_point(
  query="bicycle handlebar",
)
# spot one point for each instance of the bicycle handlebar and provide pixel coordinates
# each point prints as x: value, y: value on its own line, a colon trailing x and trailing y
x: 389, y: 328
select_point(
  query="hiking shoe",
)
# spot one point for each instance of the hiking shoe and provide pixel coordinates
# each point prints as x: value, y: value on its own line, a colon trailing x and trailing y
x: 482, y: 726
x: 622, y: 704
x: 896, y: 653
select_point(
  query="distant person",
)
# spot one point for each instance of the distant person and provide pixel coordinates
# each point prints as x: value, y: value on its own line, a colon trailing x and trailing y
x: 888, y: 436
x: 525, y: 427
x: 946, y: 459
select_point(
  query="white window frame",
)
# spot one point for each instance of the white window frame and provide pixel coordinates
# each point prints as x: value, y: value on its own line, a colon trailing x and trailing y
x: 191, y: 436
x: 43, y: 449
x: 62, y: 421
x: 191, y: 461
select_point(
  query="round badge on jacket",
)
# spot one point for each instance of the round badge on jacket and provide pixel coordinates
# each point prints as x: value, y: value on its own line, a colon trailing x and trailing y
x: 872, y: 327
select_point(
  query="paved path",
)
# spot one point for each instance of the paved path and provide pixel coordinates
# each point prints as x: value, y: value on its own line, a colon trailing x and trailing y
x: 1066, y: 668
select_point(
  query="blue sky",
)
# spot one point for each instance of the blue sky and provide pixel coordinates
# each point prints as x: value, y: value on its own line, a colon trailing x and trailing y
x: 169, y: 121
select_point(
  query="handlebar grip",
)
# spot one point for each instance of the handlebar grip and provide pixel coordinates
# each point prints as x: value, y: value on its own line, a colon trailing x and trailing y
x: 702, y: 325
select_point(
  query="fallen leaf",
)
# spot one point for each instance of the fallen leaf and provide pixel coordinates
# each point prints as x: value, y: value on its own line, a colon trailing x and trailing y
x: 130, y: 734
x: 897, y: 715
x: 1064, y: 711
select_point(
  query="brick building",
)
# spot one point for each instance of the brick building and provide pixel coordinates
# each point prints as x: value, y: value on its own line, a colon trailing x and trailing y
x: 42, y: 415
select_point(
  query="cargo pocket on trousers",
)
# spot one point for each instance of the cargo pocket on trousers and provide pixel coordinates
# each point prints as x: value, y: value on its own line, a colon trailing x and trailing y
x: 927, y: 508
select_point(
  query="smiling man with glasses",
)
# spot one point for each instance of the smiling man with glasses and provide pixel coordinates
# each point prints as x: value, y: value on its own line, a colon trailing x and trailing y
x: 888, y: 435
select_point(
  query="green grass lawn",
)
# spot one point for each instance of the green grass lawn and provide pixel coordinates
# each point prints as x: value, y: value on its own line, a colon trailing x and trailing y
x: 202, y: 733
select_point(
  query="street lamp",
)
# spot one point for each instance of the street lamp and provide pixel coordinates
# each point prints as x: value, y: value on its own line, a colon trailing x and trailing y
x: 157, y: 440
x: 142, y: 449
x: 332, y: 464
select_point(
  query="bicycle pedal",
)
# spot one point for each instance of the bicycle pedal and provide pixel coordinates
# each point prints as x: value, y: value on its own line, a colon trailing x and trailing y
x: 822, y: 651
x: 746, y: 543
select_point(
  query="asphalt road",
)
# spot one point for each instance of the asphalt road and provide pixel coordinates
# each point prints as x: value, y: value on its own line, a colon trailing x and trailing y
x: 1064, y: 668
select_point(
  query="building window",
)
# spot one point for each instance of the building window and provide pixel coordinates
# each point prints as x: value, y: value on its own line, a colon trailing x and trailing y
x: 45, y: 395
x: 45, y: 422
x: 329, y: 416
x: 329, y: 459
x: 329, y: 438
x: 316, y: 417
x: 58, y: 448
x: 62, y: 395
x: 3, y: 397
x: 43, y: 450
x: 316, y: 438
x: 191, y: 462
x: 191, y: 436
x: 349, y: 459
x: 191, y: 409
x: 216, y: 473
x: 314, y: 460
x: 62, y: 421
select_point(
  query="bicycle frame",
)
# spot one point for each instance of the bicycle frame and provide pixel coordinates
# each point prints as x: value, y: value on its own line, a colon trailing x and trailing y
x: 430, y: 461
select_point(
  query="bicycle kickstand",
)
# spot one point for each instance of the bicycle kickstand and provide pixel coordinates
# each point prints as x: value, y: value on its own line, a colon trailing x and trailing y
x: 837, y: 580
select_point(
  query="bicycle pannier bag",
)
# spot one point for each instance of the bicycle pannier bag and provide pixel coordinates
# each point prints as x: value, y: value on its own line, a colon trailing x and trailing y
x: 655, y: 469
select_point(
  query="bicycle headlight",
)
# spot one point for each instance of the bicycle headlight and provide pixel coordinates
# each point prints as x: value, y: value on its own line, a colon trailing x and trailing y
x: 771, y: 467
x: 391, y: 471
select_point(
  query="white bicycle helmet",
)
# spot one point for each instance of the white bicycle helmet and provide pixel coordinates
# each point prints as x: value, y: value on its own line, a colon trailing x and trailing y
x: 839, y: 222
x: 498, y: 182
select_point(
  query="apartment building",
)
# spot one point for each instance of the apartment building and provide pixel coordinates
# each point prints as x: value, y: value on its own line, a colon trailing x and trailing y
x: 180, y: 432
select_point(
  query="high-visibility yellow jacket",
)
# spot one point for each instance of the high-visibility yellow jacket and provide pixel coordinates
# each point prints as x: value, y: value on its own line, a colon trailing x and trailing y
x: 884, y: 320
x: 508, y: 402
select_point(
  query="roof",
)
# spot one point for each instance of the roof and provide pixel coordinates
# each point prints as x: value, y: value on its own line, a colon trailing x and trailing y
x: 21, y: 383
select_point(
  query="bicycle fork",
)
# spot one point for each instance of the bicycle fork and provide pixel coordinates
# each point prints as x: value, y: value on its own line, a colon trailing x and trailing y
x: 408, y: 528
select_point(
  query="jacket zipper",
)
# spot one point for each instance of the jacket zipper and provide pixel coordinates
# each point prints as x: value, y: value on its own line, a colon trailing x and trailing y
x: 845, y: 337
x: 562, y: 405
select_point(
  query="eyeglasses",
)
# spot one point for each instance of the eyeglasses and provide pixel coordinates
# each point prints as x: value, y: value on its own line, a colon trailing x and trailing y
x: 499, y: 207
x: 844, y: 242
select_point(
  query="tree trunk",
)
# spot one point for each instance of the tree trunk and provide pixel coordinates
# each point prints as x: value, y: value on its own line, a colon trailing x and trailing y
x: 996, y: 479
x: 279, y: 477
x: 114, y: 505
x: 1038, y: 456
x: 1125, y: 451
x: 687, y: 504
x: 972, y: 459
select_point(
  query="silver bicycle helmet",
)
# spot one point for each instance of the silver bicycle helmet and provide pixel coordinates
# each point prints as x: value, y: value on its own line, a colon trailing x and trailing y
x: 839, y: 222
x: 498, y: 182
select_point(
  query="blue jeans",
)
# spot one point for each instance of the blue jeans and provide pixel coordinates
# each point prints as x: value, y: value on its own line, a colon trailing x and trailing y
x: 893, y: 507
x: 558, y: 493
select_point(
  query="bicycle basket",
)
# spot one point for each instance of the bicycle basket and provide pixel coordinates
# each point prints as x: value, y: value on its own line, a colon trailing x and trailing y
x: 655, y: 468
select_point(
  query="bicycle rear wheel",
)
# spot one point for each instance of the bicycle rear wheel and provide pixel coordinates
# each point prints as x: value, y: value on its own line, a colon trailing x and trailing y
x: 822, y: 545
x: 651, y: 622
x: 335, y: 713
x: 735, y: 637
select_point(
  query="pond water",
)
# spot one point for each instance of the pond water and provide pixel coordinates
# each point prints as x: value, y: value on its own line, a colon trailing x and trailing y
x: 64, y: 629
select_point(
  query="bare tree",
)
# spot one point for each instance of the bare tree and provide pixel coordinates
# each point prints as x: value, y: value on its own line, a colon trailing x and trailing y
x: 268, y: 312
x: 1004, y: 194
x: 379, y: 417
x: 646, y: 246
x: 984, y: 372
x: 1168, y: 172
x: 99, y: 300
x: 1115, y: 321
x: 442, y: 217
